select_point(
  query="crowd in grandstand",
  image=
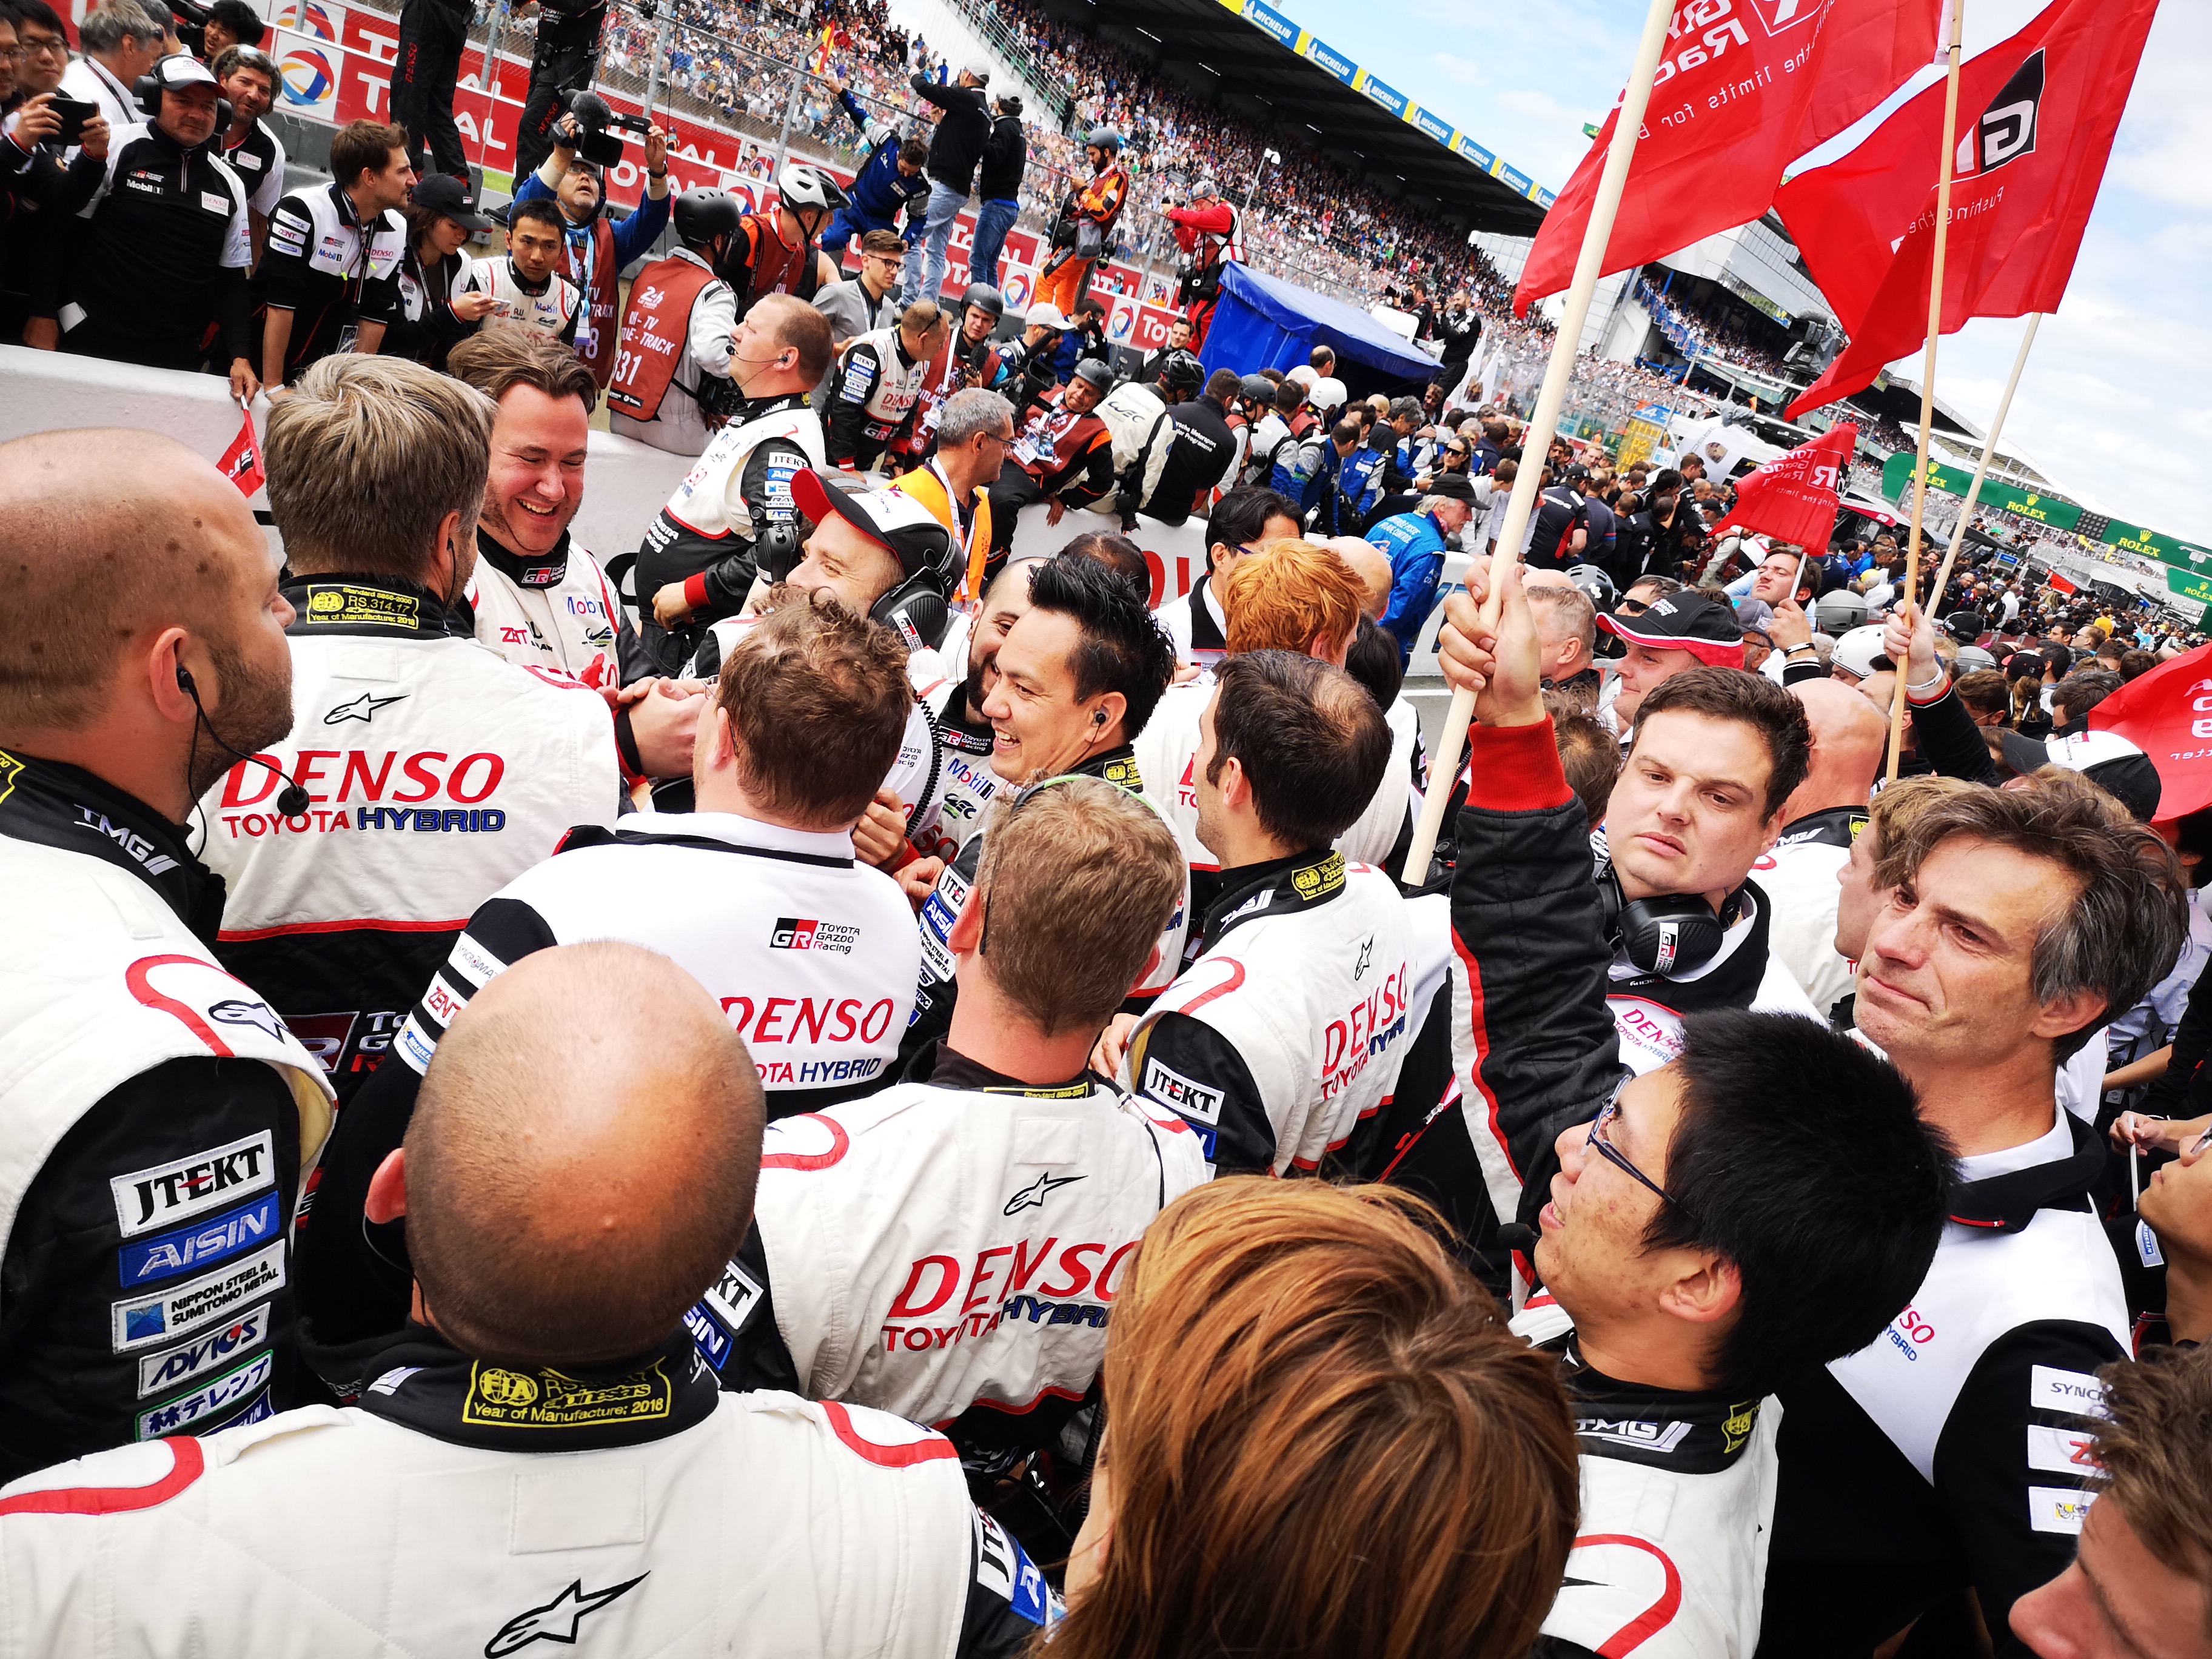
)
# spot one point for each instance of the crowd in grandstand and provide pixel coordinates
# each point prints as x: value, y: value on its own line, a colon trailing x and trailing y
x: 875, y: 1067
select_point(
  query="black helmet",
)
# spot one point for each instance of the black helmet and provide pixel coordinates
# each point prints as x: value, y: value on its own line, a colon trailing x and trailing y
x: 1256, y: 389
x: 1093, y: 372
x: 1181, y: 371
x: 983, y: 295
x: 701, y: 215
x: 1594, y: 581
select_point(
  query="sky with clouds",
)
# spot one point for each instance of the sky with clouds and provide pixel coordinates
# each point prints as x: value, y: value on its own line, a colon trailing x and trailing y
x: 2116, y: 403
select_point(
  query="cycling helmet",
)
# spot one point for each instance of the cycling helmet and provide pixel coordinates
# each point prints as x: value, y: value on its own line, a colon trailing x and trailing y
x: 801, y: 186
x: 983, y: 295
x: 1180, y: 371
x: 701, y: 215
x: 1092, y: 372
x: 1328, y: 394
x: 1257, y: 389
x: 1103, y: 138
x: 1596, y: 583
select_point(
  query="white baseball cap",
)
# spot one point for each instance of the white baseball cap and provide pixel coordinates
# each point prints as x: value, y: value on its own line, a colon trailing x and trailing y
x: 978, y: 67
x: 1045, y: 314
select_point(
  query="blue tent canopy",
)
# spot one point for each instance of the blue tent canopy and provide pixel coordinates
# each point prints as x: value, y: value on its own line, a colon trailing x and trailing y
x: 1264, y: 322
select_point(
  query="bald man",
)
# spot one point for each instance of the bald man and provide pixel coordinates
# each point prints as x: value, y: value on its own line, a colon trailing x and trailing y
x: 539, y: 1455
x: 1822, y: 818
x: 1369, y: 563
x: 155, y: 1115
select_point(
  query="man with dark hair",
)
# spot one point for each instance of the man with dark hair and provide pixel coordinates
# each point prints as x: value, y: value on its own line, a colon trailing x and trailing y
x: 809, y: 712
x: 2140, y: 1580
x: 877, y: 384
x: 598, y: 247
x: 1241, y: 526
x: 329, y: 278
x: 229, y: 23
x: 546, y: 1378
x: 1062, y: 455
x: 868, y: 301
x: 1288, y: 1022
x: 249, y: 80
x: 885, y: 1221
x: 163, y: 261
x: 700, y: 558
x: 1186, y: 452
x: 155, y: 1119
x: 2012, y: 925
x: 889, y: 186
x: 525, y: 283
x: 1076, y: 679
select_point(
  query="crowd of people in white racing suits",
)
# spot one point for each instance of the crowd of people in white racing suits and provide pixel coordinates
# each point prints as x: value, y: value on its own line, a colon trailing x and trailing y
x: 827, y: 1085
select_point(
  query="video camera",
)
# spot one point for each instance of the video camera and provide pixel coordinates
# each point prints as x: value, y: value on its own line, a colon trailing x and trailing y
x: 592, y: 118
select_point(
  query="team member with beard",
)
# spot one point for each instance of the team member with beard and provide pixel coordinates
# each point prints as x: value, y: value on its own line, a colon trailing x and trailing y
x: 1289, y: 1023
x: 957, y: 365
x: 1076, y: 679
x: 155, y: 1117
x: 1242, y: 523
x: 877, y: 386
x: 811, y: 954
x: 433, y: 771
x: 1064, y: 456
x: 700, y: 558
x: 948, y: 1248
x: 541, y: 1426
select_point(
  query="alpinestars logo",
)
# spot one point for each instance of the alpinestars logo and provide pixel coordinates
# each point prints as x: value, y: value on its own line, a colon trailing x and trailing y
x: 557, y: 1619
x: 2006, y: 129
x: 1032, y: 1196
x: 362, y: 708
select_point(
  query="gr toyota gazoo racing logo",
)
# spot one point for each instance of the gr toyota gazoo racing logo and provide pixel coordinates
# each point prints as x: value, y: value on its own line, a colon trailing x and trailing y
x: 805, y: 934
x: 1779, y: 14
x: 2006, y: 131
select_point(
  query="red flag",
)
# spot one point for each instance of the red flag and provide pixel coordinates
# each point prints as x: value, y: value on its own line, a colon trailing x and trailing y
x: 1793, y: 497
x: 2055, y: 580
x: 241, y: 462
x: 2168, y: 714
x: 1744, y: 88
x: 2036, y: 119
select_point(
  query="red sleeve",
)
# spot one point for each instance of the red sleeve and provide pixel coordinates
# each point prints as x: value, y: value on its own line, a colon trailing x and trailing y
x: 1517, y: 768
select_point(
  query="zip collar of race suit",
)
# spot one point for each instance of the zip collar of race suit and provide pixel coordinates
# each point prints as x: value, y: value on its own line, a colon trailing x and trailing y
x: 1278, y: 887
x: 378, y: 607
x: 52, y: 803
x: 1832, y: 826
x: 1692, y: 1433
x: 1118, y: 766
x: 938, y: 1066
x: 2006, y: 1203
x: 419, y: 1380
x: 546, y: 569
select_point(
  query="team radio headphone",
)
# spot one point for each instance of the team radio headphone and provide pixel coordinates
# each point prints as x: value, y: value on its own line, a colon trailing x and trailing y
x: 293, y: 800
x: 147, y: 89
x: 1667, y: 933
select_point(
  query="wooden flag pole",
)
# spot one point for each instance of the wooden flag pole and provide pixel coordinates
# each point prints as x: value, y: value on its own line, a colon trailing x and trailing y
x: 1988, y: 449
x: 1928, y: 370
x: 1536, y: 440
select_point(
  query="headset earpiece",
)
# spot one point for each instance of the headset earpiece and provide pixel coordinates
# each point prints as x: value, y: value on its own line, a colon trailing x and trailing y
x: 184, y: 683
x: 1668, y: 933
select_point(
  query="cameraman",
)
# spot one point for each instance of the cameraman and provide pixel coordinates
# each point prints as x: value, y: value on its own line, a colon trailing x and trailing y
x: 1208, y: 231
x: 599, y: 252
x: 566, y: 58
x: 699, y: 558
x: 156, y: 269
x: 674, y: 360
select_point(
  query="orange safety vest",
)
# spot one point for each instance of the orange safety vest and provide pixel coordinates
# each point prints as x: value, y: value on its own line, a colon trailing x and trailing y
x: 655, y: 333
x: 927, y: 484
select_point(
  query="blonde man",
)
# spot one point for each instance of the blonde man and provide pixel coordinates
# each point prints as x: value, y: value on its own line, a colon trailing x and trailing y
x: 423, y: 772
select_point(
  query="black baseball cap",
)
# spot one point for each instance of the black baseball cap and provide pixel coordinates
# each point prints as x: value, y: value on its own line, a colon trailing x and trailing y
x: 443, y: 194
x: 1452, y: 486
x: 1683, y: 621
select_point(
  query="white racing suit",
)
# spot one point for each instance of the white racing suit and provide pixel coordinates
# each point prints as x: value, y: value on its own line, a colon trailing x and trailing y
x: 468, y: 1508
x: 948, y: 1250
x: 556, y: 611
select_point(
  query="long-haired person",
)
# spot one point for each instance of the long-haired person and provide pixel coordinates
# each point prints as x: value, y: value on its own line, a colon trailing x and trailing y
x: 1322, y: 1441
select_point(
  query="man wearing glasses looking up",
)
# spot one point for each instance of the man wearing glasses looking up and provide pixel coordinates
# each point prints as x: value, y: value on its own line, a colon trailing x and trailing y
x: 1696, y: 1247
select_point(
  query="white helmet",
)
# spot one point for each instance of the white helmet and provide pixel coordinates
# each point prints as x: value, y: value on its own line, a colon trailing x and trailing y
x: 803, y: 187
x: 1860, y: 652
x: 1327, y: 395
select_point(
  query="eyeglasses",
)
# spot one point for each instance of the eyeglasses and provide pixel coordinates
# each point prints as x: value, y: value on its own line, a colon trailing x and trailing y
x: 1612, y: 1154
x: 49, y: 48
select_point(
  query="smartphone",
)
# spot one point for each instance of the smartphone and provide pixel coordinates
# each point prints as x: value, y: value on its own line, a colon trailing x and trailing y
x: 74, y: 113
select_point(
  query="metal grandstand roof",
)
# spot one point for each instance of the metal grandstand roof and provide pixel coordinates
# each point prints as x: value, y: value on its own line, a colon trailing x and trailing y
x: 1359, y: 118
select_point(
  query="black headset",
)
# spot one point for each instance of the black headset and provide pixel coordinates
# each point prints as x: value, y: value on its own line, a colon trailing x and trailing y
x: 293, y: 800
x: 1667, y: 933
x: 919, y: 608
x: 147, y: 89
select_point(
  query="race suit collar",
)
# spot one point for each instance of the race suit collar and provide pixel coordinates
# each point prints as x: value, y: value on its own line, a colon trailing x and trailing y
x: 547, y: 570
x: 941, y: 1068
x: 382, y: 607
x: 2006, y: 1203
x: 1702, y: 1433
x: 420, y: 1382
x: 1118, y: 766
x: 751, y: 409
x: 1832, y: 826
x: 1278, y: 887
x: 51, y: 803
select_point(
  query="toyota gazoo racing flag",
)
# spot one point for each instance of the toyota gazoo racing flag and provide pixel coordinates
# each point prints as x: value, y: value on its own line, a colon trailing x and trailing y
x: 1793, y: 497
x: 241, y: 462
x: 2036, y: 119
x: 1745, y: 88
x: 2168, y: 714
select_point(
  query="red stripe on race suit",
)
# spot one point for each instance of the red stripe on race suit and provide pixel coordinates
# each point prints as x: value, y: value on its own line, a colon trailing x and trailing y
x: 1655, y: 1618
x: 142, y: 988
x: 190, y: 1463
x: 840, y: 1143
x: 886, y: 1457
x: 247, y: 935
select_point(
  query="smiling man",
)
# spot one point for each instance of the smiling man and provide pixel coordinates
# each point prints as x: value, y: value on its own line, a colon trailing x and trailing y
x: 1696, y: 1246
x: 1944, y: 1455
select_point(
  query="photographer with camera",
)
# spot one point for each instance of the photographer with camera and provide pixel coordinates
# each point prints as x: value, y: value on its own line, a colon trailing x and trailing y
x: 674, y: 360
x: 1083, y: 232
x: 1211, y: 233
x: 155, y: 268
x: 574, y: 176
x: 734, y: 514
x: 330, y: 278
x: 561, y: 68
